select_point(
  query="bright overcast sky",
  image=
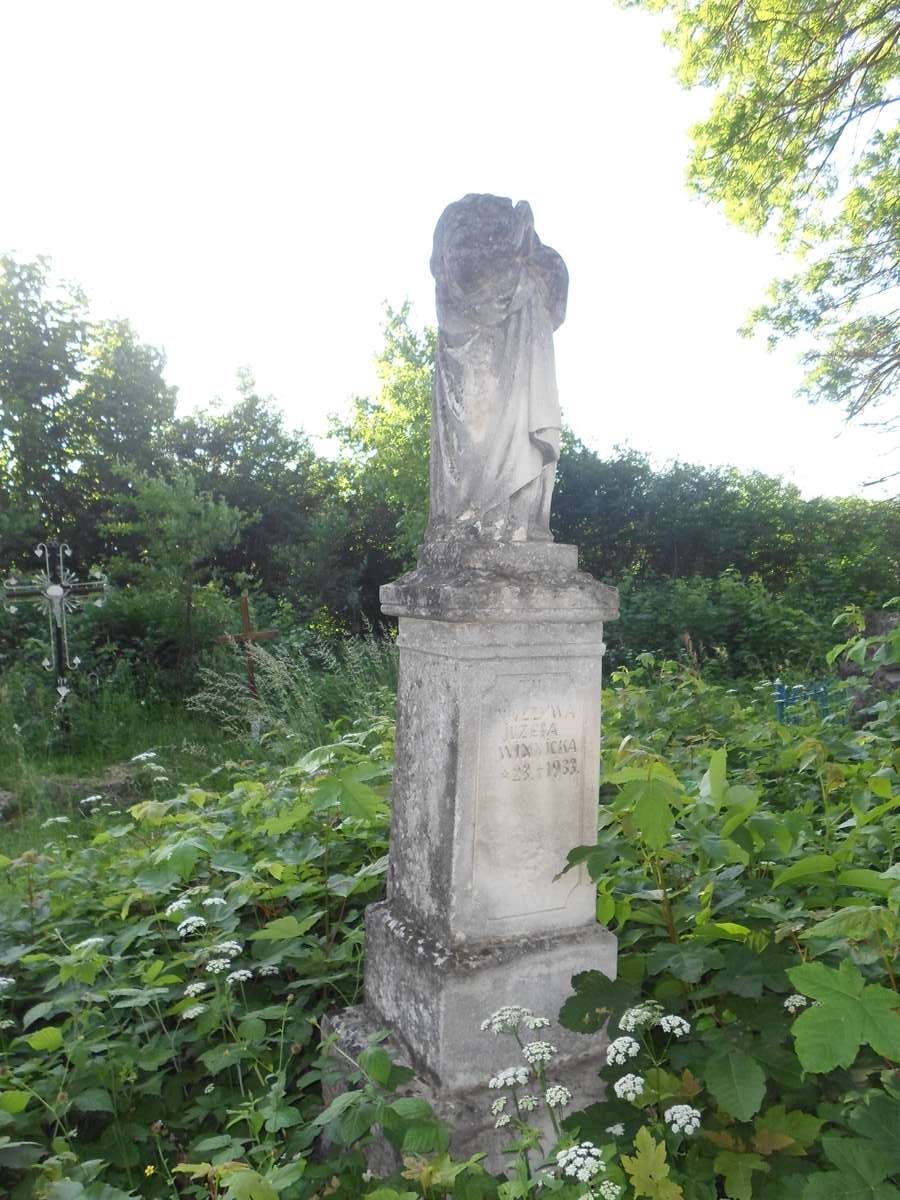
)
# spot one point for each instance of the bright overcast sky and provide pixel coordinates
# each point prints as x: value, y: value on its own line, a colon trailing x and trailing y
x: 249, y: 182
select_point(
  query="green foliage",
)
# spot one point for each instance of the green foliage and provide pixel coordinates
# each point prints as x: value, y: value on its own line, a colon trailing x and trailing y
x: 748, y: 871
x: 800, y: 134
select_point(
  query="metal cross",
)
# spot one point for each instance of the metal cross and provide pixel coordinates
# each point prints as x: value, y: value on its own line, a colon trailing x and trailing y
x: 60, y: 591
x: 247, y: 635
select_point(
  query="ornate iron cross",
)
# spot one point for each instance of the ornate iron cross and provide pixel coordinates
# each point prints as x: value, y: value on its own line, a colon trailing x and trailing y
x: 60, y: 592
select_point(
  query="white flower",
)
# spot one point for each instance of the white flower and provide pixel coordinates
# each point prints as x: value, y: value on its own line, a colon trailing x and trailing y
x: 498, y: 1105
x: 194, y: 1011
x: 90, y: 943
x: 194, y: 989
x: 502, y: 1120
x: 7, y: 1023
x: 92, y: 799
x: 511, y: 1077
x: 509, y: 1018
x: 682, y: 1118
x: 609, y: 1190
x: 794, y: 1003
x: 54, y: 821
x: 538, y: 1052
x: 629, y: 1087
x: 191, y: 925
x: 6, y: 983
x: 214, y: 901
x: 217, y: 965
x: 581, y: 1162
x: 240, y: 976
x: 557, y: 1096
x: 177, y: 905
x: 623, y: 1048
x: 145, y: 756
x: 229, y: 949
x: 674, y: 1024
x: 209, y: 1089
x: 638, y: 1017
x: 528, y: 1103
x: 616, y: 1130
x: 267, y: 969
x: 532, y: 1022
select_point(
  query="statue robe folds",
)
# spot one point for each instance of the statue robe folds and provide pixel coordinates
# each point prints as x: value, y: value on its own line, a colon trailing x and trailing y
x: 496, y: 418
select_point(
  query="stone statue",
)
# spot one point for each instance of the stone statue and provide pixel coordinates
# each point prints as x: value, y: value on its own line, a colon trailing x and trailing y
x: 496, y: 419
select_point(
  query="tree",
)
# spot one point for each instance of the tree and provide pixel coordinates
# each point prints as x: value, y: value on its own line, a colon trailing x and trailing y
x: 246, y: 456
x: 800, y: 137
x: 78, y: 399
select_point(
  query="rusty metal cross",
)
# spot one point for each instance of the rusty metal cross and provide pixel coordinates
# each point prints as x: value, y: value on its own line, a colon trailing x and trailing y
x: 248, y: 635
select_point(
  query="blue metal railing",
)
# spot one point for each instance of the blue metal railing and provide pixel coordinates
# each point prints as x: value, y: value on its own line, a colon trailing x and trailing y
x: 792, y: 699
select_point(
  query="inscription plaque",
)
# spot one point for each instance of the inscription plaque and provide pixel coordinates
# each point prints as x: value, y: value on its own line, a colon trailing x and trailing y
x: 529, y: 790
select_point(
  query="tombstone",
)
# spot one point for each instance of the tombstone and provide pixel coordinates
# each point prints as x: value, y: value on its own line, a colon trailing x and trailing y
x: 498, y: 707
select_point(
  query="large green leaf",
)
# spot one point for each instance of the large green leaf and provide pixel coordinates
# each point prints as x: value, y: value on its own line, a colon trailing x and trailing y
x: 737, y: 1081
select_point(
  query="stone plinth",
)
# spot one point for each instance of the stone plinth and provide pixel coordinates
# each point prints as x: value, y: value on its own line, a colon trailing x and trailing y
x: 498, y: 755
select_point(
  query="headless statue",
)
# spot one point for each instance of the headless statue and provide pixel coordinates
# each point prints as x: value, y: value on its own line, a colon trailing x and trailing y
x: 495, y: 418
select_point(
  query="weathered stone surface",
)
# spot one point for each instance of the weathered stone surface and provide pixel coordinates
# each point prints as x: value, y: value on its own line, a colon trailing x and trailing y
x: 497, y: 775
x: 435, y: 995
x: 496, y: 420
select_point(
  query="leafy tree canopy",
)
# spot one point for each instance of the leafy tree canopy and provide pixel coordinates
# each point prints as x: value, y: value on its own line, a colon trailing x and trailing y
x: 801, y: 136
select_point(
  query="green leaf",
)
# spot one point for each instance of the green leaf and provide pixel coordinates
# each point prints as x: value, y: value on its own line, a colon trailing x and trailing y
x: 686, y: 961
x: 714, y: 783
x: 867, y: 881
x: 412, y: 1108
x: 48, y: 1038
x: 596, y: 998
x: 283, y: 928
x: 827, y: 1038
x: 648, y: 1169
x: 14, y: 1101
x: 245, y: 1184
x: 806, y: 868
x: 94, y: 1100
x: 649, y: 802
x: 737, y: 1081
x: 786, y: 1132
x: 738, y: 1170
x: 376, y: 1062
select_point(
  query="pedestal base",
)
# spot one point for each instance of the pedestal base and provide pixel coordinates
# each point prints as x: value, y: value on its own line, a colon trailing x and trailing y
x: 435, y: 997
x: 468, y: 1113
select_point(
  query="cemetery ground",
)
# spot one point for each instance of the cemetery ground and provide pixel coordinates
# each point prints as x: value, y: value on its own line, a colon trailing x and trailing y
x: 167, y: 954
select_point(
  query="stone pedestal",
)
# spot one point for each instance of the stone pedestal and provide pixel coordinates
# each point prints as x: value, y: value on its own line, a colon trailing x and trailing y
x: 498, y: 754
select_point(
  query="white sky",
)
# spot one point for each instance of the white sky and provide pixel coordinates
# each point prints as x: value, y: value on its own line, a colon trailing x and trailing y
x: 248, y: 183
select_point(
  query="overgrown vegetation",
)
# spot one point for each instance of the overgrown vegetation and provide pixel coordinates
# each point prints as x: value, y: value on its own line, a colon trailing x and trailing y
x: 165, y: 968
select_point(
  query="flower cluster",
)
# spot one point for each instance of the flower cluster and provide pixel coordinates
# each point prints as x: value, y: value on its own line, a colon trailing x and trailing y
x: 681, y: 1118
x: 240, y: 976
x: 228, y: 949
x: 629, y: 1087
x: 194, y: 1011
x: 609, y: 1190
x: 510, y: 1077
x: 267, y: 969
x: 216, y: 966
x: 538, y: 1052
x: 191, y: 925
x: 195, y: 989
x: 794, y: 1003
x: 528, y: 1103
x: 509, y: 1018
x: 616, y: 1130
x: 177, y: 905
x: 557, y: 1096
x: 214, y: 901
x: 638, y: 1017
x: 621, y: 1050
x: 90, y: 943
x: 6, y: 982
x: 674, y: 1024
x: 581, y: 1162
